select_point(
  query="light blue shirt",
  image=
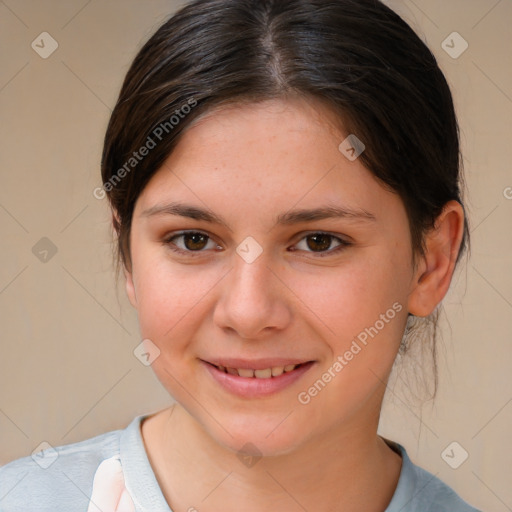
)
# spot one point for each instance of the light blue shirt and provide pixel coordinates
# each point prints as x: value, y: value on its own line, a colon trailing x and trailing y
x: 61, y: 480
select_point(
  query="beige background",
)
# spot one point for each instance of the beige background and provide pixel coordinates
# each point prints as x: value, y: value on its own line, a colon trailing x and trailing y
x: 67, y: 370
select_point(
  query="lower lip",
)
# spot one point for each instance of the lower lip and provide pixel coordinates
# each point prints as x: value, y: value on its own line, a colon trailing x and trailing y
x: 252, y: 387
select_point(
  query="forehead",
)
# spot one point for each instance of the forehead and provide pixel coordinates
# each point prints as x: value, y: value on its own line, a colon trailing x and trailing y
x: 301, y: 110
x: 268, y: 156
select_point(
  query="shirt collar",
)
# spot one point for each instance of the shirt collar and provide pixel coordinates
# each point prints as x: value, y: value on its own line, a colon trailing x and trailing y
x: 141, y: 482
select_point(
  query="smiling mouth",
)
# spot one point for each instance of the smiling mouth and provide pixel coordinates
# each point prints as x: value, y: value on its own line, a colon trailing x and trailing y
x: 266, y: 373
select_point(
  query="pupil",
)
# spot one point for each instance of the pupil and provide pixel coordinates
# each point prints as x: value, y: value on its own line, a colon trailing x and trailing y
x: 194, y: 237
x: 324, y: 238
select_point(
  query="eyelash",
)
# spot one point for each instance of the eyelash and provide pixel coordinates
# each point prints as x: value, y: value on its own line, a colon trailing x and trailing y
x: 172, y: 246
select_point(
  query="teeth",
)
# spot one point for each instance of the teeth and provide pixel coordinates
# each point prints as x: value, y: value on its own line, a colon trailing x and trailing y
x: 245, y: 373
x: 267, y: 373
x: 277, y: 370
x: 263, y: 374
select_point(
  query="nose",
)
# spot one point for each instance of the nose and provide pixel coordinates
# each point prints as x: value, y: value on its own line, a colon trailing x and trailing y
x: 253, y: 300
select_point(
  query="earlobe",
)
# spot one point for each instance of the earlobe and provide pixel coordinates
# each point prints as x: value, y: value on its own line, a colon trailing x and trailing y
x: 435, y: 270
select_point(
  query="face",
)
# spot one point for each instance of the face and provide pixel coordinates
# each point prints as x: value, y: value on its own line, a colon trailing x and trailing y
x: 254, y: 285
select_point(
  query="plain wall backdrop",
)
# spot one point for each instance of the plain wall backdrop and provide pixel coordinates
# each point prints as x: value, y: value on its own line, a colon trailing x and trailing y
x: 67, y: 370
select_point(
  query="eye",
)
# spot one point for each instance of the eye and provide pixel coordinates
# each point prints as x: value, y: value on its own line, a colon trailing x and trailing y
x: 319, y: 243
x: 193, y: 242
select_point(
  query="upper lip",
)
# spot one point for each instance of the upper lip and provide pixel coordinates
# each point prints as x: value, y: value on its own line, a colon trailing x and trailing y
x: 255, y: 364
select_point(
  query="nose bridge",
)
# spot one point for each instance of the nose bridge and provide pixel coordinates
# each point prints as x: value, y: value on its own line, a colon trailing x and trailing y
x: 251, y: 301
x: 251, y: 280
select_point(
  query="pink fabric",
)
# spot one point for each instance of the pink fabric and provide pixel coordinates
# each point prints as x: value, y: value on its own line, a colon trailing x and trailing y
x: 109, y: 493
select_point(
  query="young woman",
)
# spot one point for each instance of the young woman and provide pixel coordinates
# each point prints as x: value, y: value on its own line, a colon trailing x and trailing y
x: 285, y: 185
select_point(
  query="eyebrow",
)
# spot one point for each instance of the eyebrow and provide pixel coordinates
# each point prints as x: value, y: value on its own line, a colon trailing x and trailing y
x: 287, y: 218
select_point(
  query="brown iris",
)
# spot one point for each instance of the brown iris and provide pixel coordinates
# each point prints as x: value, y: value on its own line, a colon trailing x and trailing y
x: 321, y: 241
x: 198, y: 241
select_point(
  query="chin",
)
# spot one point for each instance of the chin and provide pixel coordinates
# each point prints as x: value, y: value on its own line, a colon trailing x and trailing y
x: 262, y: 437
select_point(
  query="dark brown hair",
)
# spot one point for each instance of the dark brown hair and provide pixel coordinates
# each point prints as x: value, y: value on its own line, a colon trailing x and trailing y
x: 357, y: 56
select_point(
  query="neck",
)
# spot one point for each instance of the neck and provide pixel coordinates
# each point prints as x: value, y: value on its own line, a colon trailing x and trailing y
x: 345, y: 469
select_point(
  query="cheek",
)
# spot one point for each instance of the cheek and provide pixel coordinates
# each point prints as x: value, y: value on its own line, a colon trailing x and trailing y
x: 352, y: 297
x: 364, y: 313
x: 166, y: 315
x: 171, y: 297
x: 363, y: 309
x: 164, y: 298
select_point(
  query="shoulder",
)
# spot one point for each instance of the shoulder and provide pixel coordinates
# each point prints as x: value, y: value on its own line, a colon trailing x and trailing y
x: 57, y: 478
x: 433, y: 494
x: 419, y: 490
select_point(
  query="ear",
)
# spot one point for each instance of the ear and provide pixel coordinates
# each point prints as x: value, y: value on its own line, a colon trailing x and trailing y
x: 130, y: 288
x: 434, y: 272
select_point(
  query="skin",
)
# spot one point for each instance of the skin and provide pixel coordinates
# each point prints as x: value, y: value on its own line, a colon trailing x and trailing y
x: 248, y: 164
